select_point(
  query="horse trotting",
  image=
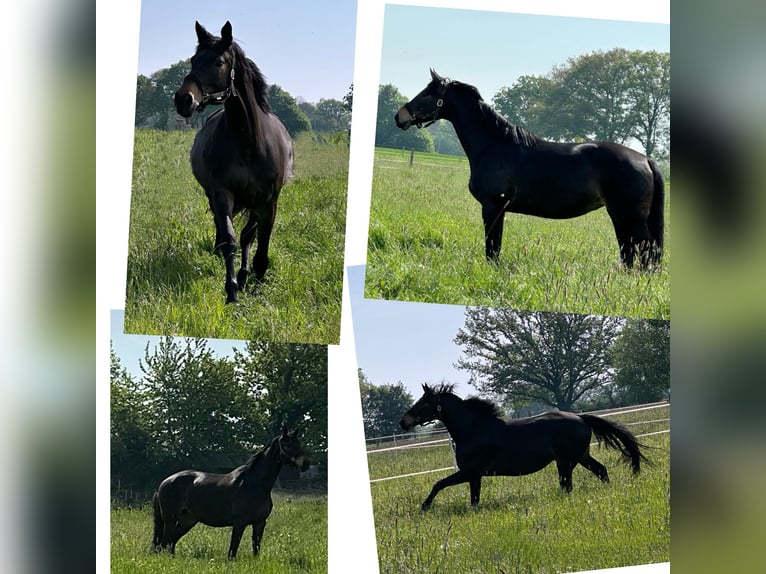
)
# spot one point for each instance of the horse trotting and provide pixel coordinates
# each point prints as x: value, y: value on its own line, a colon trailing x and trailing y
x: 243, y: 154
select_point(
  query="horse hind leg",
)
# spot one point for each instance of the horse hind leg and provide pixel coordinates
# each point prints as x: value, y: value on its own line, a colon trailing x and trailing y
x: 246, y: 241
x: 595, y: 467
x: 565, y: 474
x: 265, y: 226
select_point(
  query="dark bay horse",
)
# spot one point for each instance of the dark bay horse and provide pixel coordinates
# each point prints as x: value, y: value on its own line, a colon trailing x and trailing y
x: 236, y: 499
x: 486, y: 444
x: 513, y: 170
x: 243, y: 154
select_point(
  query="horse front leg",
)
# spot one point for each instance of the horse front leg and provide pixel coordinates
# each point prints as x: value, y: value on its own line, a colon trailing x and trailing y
x: 494, y: 218
x: 236, y: 535
x: 246, y: 242
x: 258, y: 528
x: 475, y: 484
x: 226, y: 240
x: 457, y: 478
x: 265, y: 225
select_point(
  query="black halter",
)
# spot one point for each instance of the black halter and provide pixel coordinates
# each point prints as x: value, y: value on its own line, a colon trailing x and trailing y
x: 216, y: 98
x: 420, y: 122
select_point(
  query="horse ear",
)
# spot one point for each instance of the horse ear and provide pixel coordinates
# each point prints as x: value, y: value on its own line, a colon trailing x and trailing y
x: 226, y: 33
x: 435, y: 77
x: 203, y: 36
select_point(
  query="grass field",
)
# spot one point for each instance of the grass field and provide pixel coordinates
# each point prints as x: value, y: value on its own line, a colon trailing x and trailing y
x: 175, y: 281
x: 295, y: 541
x: 525, y: 524
x: 426, y: 243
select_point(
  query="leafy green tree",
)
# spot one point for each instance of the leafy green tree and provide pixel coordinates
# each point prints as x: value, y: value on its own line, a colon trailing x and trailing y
x: 286, y: 108
x: 289, y: 382
x: 590, y: 100
x: 640, y: 357
x: 615, y: 96
x: 201, y: 414
x: 649, y: 100
x: 387, y: 134
x: 130, y: 440
x: 382, y: 406
x: 526, y: 103
x: 526, y: 357
x: 329, y: 116
x: 445, y: 138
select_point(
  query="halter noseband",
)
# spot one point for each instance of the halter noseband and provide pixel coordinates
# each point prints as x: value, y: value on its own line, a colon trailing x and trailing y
x: 216, y: 98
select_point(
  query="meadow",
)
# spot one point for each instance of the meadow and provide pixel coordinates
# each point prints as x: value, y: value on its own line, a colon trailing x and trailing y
x: 426, y: 244
x: 175, y: 280
x: 525, y: 524
x: 295, y: 541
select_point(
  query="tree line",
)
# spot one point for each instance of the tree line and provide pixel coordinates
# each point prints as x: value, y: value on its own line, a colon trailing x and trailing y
x: 155, y: 108
x: 620, y: 95
x: 193, y: 409
x: 532, y: 361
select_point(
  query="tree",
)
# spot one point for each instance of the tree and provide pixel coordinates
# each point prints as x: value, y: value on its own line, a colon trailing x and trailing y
x: 330, y: 116
x: 649, y: 97
x: 290, y: 384
x: 382, y: 406
x: 641, y: 361
x: 523, y: 357
x: 286, y: 109
x: 590, y: 100
x: 618, y: 95
x: 200, y: 414
x: 525, y: 103
x: 130, y: 440
x: 445, y: 139
x: 386, y: 132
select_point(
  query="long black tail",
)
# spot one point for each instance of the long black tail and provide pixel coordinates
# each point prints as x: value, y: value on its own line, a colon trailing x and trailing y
x: 617, y: 437
x: 159, y: 524
x: 656, y: 220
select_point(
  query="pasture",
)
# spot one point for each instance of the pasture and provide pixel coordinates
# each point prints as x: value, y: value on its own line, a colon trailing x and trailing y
x: 524, y: 524
x: 295, y: 540
x: 175, y: 280
x: 426, y: 244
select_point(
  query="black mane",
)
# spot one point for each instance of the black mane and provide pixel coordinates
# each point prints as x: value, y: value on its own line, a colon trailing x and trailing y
x: 476, y: 404
x: 502, y: 127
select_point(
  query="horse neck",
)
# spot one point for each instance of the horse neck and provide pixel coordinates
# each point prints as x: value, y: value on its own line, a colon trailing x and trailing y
x: 455, y: 416
x: 244, y: 111
x: 470, y: 122
x: 266, y: 469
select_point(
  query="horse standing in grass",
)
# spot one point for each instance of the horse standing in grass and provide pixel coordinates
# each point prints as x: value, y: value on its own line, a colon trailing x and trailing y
x: 486, y: 444
x: 243, y: 154
x: 237, y: 499
x: 513, y: 170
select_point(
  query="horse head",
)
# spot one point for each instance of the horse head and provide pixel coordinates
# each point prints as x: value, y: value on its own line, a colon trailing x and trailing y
x: 211, y: 80
x: 426, y: 107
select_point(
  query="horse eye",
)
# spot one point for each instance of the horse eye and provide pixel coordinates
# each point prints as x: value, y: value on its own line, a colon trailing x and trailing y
x: 220, y: 62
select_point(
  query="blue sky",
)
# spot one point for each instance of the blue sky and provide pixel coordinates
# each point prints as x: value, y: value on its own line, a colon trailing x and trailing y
x: 408, y: 342
x: 304, y: 46
x: 492, y: 49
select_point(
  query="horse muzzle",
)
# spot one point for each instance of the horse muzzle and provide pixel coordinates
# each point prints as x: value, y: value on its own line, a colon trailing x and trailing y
x: 188, y: 98
x: 408, y: 421
x: 403, y: 118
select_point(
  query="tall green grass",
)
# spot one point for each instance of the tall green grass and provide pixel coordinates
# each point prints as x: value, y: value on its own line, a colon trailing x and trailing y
x: 174, y: 279
x: 426, y: 243
x: 523, y: 524
x: 295, y: 541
